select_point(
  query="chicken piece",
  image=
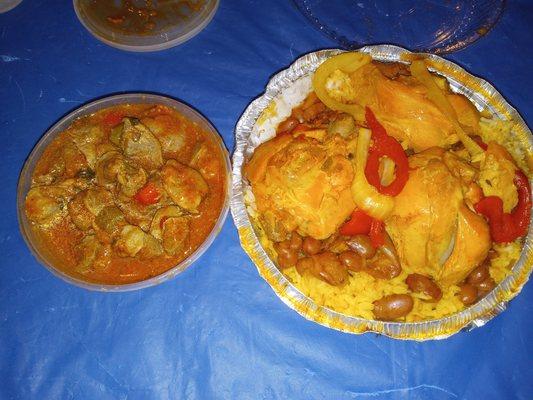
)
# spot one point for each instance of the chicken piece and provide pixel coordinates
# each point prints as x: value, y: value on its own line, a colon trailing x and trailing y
x: 86, y: 139
x: 206, y: 161
x: 175, y: 235
x: 75, y: 161
x: 108, y: 223
x: 172, y: 227
x: 46, y: 205
x: 472, y: 244
x: 170, y: 131
x: 255, y: 169
x: 401, y: 106
x: 301, y: 184
x: 497, y: 174
x: 109, y: 165
x: 87, y: 204
x: 114, y: 169
x: 160, y: 216
x: 423, y: 221
x: 63, y: 161
x: 132, y: 241
x: 139, y: 144
x: 185, y: 186
x: 433, y: 230
x: 92, y: 255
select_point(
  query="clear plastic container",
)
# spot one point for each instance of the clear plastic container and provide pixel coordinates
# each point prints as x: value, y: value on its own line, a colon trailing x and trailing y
x: 8, y: 5
x: 24, y: 183
x: 421, y: 25
x: 179, y: 23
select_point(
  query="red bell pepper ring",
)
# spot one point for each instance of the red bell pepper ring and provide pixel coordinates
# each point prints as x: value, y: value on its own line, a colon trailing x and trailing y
x: 360, y: 223
x: 506, y: 227
x: 385, y: 146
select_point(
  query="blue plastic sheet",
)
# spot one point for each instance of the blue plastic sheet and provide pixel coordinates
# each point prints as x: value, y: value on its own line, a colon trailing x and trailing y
x: 217, y: 331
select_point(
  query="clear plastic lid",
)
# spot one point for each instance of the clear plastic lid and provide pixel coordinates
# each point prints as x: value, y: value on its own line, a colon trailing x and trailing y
x: 419, y: 25
x: 145, y: 25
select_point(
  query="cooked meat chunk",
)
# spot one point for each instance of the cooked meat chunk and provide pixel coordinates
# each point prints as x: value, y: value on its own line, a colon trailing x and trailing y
x: 92, y: 255
x: 302, y: 184
x: 132, y: 241
x: 87, y: 204
x: 139, y: 144
x: 185, y: 186
x: 114, y: 170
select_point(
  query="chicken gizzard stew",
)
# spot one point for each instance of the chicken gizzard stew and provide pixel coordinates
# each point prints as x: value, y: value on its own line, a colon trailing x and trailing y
x: 126, y: 193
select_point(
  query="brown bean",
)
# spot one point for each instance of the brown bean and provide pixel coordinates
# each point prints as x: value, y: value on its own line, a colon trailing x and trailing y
x: 468, y: 294
x: 423, y: 284
x: 362, y: 245
x: 330, y: 268
x: 305, y: 264
x: 389, y: 250
x: 288, y: 125
x: 352, y: 260
x: 478, y: 275
x: 287, y: 259
x: 383, y: 267
x: 311, y: 245
x: 393, y: 306
x: 486, y: 286
x: 295, y: 242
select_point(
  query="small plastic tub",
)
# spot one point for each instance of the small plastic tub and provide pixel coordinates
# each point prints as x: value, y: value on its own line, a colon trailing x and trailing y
x: 46, y: 259
x: 145, y: 28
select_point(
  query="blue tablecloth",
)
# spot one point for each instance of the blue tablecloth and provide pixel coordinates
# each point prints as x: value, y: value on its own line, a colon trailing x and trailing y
x: 218, y: 330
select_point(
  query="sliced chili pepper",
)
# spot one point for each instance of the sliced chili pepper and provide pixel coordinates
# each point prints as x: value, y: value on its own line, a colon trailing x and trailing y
x: 385, y: 146
x: 506, y: 227
x: 148, y: 194
x: 360, y: 223
x: 377, y: 237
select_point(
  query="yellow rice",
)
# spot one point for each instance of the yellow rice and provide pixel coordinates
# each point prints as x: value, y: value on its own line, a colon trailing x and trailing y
x: 356, y: 297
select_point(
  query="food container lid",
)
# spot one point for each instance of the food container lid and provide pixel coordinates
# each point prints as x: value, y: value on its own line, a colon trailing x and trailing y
x: 8, y: 5
x: 427, y: 25
x: 147, y: 25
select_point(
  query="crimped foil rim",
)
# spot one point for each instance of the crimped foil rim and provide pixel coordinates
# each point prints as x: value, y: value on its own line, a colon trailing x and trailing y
x: 478, y: 91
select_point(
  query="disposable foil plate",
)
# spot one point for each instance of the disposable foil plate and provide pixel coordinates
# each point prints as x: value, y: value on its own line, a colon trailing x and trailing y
x: 258, y: 123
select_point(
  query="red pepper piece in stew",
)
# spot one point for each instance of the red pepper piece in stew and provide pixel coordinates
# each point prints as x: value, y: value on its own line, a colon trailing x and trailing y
x: 148, y: 194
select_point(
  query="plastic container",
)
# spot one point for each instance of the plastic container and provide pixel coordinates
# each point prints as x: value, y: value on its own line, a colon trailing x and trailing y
x: 8, y: 5
x: 170, y: 29
x: 421, y: 25
x: 24, y: 184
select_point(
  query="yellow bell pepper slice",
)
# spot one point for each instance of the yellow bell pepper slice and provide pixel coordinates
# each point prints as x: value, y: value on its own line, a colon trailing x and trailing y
x: 347, y: 63
x: 435, y: 94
